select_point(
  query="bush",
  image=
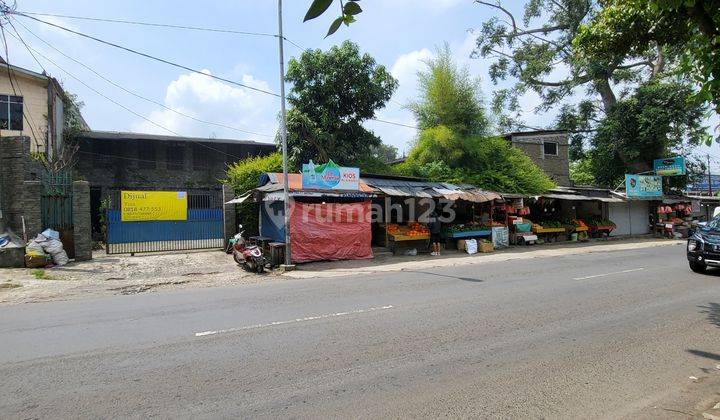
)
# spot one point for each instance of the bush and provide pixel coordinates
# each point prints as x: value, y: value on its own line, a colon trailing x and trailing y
x: 243, y: 176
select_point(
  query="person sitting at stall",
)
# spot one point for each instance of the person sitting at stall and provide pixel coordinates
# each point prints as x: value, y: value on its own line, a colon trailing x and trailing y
x: 435, y: 227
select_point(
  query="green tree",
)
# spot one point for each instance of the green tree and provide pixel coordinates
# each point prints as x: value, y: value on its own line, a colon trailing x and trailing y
x: 333, y: 92
x: 243, y: 176
x: 688, y: 29
x: 658, y: 120
x: 449, y: 96
x: 453, y: 145
x: 487, y: 162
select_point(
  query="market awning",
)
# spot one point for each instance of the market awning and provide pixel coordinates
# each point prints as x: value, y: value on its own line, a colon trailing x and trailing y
x: 475, y: 196
x: 578, y: 197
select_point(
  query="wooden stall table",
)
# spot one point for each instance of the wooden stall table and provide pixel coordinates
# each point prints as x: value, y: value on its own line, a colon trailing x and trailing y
x: 551, y: 234
x: 399, y: 240
x: 598, y: 231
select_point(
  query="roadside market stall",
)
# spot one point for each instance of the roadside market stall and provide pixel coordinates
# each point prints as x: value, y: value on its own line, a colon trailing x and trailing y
x: 407, y: 205
x: 325, y: 224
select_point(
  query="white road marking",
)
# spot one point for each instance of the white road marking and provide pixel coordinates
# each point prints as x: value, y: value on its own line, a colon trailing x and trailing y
x: 609, y: 274
x: 292, y: 321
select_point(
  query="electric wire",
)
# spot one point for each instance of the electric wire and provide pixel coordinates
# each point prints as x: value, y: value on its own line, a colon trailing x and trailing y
x: 123, y: 106
x: 176, y: 64
x: 26, y: 116
x: 142, y: 54
x: 131, y: 92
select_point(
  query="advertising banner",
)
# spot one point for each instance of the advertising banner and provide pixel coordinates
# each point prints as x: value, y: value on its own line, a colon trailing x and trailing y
x: 643, y: 186
x: 330, y: 176
x: 670, y: 166
x: 136, y: 206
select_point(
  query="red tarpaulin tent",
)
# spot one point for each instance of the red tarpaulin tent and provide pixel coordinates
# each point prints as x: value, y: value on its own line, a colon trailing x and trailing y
x: 330, y: 231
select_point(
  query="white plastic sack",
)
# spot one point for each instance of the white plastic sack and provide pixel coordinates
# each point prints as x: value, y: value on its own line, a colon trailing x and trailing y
x: 51, y: 234
x: 471, y: 246
x: 53, y: 246
x: 60, y: 258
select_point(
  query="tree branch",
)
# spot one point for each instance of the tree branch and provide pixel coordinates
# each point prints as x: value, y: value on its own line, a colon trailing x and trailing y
x: 638, y: 64
x: 504, y: 10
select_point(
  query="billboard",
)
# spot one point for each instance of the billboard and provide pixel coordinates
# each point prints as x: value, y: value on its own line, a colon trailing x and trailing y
x: 670, y: 166
x: 138, y: 206
x: 329, y: 176
x: 643, y: 186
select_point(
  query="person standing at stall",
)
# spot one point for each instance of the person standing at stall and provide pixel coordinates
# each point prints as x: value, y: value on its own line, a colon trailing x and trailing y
x: 435, y: 227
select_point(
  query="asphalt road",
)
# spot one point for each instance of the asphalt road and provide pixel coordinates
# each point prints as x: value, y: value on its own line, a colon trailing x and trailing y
x: 608, y: 334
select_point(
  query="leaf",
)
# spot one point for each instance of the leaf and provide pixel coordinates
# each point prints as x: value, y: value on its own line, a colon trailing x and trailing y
x: 334, y: 26
x: 317, y: 8
x: 352, y: 8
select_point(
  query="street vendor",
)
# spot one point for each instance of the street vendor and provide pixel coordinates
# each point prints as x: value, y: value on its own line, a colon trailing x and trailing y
x: 435, y: 227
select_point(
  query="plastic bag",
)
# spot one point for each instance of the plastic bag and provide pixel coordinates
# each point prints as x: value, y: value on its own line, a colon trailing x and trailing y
x: 51, y: 234
x: 471, y: 246
x: 60, y: 258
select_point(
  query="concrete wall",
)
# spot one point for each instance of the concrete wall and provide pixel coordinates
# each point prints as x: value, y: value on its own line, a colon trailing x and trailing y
x: 556, y: 167
x: 82, y: 226
x: 20, y: 189
x: 35, y: 106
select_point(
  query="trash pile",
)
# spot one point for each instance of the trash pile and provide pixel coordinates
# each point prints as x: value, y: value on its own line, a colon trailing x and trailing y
x: 11, y: 249
x: 46, y: 248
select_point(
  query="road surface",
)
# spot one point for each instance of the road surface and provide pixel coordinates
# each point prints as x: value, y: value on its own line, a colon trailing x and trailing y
x: 612, y: 334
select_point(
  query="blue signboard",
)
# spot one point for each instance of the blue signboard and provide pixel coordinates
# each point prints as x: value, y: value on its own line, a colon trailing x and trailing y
x: 701, y: 184
x: 643, y: 186
x: 670, y: 166
x: 329, y: 176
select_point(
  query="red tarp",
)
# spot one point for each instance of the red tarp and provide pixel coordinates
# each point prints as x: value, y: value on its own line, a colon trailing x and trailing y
x: 330, y: 231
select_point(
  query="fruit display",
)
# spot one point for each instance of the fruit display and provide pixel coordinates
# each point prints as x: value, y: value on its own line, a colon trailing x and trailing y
x: 469, y: 227
x: 601, y: 223
x: 413, y: 230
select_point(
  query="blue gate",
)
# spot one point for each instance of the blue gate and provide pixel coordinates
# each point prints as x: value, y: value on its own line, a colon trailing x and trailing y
x: 202, y: 229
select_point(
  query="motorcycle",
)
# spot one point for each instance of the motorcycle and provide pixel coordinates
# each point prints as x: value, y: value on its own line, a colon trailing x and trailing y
x: 250, y: 257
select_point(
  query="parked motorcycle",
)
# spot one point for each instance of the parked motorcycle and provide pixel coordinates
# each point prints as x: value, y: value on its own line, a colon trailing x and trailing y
x: 250, y: 257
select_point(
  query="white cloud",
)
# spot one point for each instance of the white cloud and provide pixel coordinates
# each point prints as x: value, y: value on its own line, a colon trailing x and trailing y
x: 211, y: 100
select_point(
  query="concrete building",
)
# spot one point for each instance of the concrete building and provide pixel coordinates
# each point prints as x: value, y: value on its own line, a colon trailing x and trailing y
x: 31, y: 104
x: 549, y: 149
x: 114, y: 161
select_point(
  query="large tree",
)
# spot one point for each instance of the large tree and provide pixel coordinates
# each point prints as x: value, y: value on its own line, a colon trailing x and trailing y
x: 332, y: 94
x: 689, y: 30
x: 453, y: 145
x: 536, y: 50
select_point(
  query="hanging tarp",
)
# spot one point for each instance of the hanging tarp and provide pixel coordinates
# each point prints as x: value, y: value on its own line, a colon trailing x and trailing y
x: 331, y: 231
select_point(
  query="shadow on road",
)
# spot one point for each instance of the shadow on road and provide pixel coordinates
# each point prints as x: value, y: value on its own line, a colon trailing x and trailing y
x: 712, y: 311
x: 446, y: 275
x: 705, y: 354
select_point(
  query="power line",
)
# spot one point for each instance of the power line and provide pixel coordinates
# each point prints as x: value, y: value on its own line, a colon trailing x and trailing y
x: 142, y: 54
x: 152, y: 24
x: 163, y: 25
x: 121, y: 105
x: 28, y: 118
x: 175, y: 64
x: 135, y: 93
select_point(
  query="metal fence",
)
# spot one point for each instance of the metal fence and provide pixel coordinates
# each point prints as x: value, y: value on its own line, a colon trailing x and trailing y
x: 202, y: 229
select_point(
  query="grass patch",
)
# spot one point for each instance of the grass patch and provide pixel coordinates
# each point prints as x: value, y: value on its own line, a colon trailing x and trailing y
x: 41, y: 274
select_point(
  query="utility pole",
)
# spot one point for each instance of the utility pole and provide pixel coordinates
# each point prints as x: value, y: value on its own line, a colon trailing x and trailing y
x: 283, y: 134
x: 710, y: 193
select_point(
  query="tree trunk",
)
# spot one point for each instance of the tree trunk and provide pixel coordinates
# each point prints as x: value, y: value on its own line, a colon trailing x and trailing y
x: 606, y: 93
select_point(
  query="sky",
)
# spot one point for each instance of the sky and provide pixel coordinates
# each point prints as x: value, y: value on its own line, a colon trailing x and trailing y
x: 399, y: 34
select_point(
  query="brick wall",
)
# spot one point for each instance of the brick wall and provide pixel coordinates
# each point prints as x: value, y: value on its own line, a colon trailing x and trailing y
x: 82, y: 225
x: 556, y: 167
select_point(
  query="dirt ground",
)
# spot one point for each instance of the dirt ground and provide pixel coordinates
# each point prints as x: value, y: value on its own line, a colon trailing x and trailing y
x: 127, y: 275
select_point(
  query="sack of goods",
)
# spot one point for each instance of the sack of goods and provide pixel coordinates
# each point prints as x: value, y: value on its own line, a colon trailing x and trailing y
x: 50, y: 245
x: 471, y: 246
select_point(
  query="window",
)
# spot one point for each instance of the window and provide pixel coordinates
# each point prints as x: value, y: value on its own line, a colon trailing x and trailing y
x: 550, y: 148
x: 146, y: 155
x: 11, y: 112
x: 175, y: 157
